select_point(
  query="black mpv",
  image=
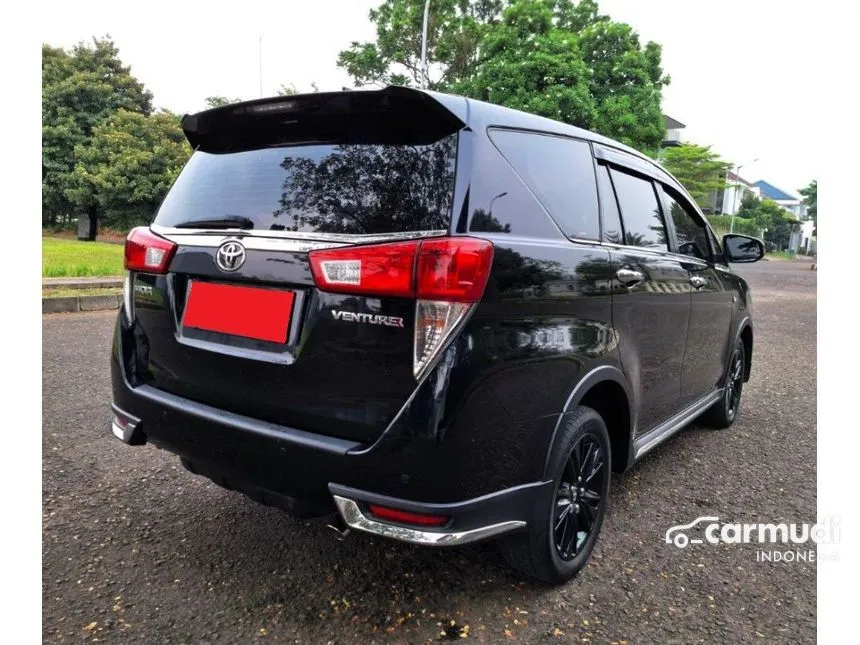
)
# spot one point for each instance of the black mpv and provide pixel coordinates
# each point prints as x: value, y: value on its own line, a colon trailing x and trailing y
x: 444, y: 319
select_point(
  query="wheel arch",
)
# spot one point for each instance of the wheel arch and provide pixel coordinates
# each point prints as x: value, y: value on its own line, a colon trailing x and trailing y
x: 606, y: 390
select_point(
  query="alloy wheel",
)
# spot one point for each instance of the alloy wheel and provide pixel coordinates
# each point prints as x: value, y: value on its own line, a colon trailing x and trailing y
x: 578, y: 498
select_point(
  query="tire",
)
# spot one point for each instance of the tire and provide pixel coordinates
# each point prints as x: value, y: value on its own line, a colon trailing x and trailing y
x: 555, y: 555
x: 725, y: 411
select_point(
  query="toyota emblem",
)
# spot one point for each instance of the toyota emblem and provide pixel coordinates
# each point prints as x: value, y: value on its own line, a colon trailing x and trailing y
x: 230, y: 256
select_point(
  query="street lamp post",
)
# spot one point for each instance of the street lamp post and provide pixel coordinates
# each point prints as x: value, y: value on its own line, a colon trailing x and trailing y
x: 424, y: 71
x: 737, y: 190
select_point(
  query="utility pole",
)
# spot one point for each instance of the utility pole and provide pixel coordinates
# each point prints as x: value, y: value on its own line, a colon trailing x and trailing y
x: 424, y: 70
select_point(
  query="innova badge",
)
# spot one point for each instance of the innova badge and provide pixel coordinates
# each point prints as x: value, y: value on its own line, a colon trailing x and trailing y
x: 230, y: 256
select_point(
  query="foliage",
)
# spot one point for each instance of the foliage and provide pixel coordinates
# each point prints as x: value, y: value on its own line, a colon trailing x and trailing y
x: 218, y: 101
x: 80, y: 89
x: 722, y: 224
x: 72, y: 258
x: 810, y: 198
x: 126, y: 168
x: 550, y: 57
x: 699, y: 170
x: 771, y: 216
x: 455, y: 29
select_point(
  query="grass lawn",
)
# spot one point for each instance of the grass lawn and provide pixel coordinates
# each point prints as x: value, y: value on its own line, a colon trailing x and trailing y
x: 72, y: 258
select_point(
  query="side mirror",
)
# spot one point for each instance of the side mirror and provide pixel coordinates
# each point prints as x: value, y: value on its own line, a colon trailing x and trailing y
x: 742, y: 248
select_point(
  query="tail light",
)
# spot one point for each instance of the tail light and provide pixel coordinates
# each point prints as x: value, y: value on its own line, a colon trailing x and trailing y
x: 447, y: 276
x: 148, y: 252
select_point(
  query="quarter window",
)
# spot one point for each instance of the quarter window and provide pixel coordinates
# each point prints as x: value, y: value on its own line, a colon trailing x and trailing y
x: 612, y: 231
x: 560, y: 172
x: 640, y: 211
x: 691, y: 233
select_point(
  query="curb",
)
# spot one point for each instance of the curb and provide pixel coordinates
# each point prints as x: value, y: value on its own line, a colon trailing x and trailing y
x: 81, y: 283
x: 71, y: 304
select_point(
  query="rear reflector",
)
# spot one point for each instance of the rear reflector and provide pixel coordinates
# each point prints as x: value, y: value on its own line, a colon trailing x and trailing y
x: 146, y: 251
x: 405, y: 517
x: 262, y: 314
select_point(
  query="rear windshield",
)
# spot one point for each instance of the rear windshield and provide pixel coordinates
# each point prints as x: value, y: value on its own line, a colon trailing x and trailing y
x: 350, y: 188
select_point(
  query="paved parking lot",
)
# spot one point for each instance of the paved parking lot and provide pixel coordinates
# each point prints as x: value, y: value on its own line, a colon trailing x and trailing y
x: 137, y: 550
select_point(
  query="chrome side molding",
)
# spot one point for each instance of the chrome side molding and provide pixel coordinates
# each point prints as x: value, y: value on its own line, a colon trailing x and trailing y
x: 653, y: 438
x: 354, y: 518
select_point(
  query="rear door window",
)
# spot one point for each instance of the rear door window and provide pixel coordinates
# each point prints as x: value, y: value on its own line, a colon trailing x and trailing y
x: 348, y: 188
x: 560, y: 172
x: 640, y: 211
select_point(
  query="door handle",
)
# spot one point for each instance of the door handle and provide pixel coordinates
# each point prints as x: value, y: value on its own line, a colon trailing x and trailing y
x: 698, y: 282
x: 629, y: 276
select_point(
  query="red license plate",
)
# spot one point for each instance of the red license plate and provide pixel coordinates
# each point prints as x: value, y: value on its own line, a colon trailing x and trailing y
x: 263, y: 314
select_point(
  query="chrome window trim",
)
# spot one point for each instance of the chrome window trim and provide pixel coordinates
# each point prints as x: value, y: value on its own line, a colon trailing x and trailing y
x: 246, y: 234
x: 354, y: 518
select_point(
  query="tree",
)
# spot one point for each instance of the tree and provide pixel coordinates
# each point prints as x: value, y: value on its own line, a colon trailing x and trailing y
x: 550, y: 57
x: 810, y: 198
x: 123, y: 172
x: 218, y: 101
x: 455, y: 29
x: 769, y: 215
x: 80, y: 89
x: 699, y: 170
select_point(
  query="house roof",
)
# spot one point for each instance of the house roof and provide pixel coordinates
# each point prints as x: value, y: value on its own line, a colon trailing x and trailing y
x: 672, y: 124
x: 772, y: 192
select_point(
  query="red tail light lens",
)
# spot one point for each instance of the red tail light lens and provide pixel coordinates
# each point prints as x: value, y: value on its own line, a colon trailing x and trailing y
x: 453, y: 269
x: 381, y: 269
x: 405, y: 517
x: 146, y: 251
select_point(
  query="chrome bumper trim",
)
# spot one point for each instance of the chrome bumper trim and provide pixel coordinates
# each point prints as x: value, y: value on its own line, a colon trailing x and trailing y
x: 352, y: 515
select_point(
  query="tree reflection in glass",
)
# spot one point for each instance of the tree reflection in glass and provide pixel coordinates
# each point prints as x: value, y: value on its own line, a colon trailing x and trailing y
x: 362, y: 189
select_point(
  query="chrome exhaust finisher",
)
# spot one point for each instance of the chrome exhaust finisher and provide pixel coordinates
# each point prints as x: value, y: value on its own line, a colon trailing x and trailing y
x: 353, y: 517
x: 126, y: 428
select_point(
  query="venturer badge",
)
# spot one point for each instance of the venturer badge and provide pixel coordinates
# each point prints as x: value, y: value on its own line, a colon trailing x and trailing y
x: 370, y: 319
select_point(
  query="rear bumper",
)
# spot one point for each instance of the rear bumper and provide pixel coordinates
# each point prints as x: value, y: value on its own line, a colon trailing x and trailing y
x: 310, y: 474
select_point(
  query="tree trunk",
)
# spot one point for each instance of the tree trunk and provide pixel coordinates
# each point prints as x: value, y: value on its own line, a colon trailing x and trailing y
x: 94, y: 224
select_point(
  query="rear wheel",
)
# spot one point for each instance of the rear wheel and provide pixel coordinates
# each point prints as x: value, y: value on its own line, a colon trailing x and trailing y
x: 724, y: 412
x: 559, y: 545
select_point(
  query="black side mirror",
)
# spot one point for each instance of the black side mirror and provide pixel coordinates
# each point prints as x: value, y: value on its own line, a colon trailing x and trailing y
x: 742, y: 248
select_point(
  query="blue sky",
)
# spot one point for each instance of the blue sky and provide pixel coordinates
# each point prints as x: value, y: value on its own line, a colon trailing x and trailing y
x: 743, y: 72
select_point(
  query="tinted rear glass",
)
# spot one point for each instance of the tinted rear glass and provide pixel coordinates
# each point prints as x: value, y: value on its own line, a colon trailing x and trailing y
x: 560, y: 172
x: 354, y: 188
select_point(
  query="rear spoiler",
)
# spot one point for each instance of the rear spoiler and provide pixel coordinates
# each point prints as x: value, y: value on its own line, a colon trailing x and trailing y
x: 391, y: 115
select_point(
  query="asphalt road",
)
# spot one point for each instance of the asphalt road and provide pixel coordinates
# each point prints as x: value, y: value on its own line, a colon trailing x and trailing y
x: 136, y: 550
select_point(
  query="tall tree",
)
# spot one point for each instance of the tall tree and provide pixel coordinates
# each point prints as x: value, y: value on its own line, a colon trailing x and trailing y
x: 127, y: 166
x: 454, y: 31
x: 556, y: 58
x: 810, y: 198
x: 700, y: 170
x: 80, y: 89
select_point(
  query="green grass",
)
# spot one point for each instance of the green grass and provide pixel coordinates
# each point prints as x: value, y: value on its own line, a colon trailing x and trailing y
x: 74, y: 259
x: 780, y: 255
